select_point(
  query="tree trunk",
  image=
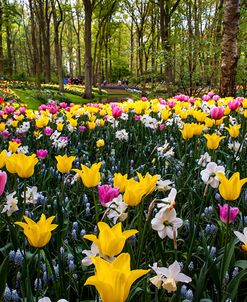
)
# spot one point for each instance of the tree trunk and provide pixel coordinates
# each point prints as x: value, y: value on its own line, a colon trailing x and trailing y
x: 230, y: 53
x: 9, y: 50
x: 88, y: 51
x: 1, y: 38
x: 58, y: 48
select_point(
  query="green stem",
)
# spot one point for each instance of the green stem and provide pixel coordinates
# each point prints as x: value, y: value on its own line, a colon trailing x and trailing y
x: 95, y: 206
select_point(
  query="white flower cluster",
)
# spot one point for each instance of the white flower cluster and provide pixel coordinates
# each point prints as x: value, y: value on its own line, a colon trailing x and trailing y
x: 165, y: 151
x: 149, y: 122
x: 122, y: 135
x: 23, y: 128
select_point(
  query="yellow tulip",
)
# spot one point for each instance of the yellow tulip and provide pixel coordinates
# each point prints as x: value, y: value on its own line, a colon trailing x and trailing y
x: 245, y: 113
x: 134, y: 191
x: 148, y: 182
x: 2, y: 127
x: 3, y: 158
x: 110, y: 241
x: 13, y: 146
x: 209, y: 122
x: 38, y: 234
x: 100, y: 143
x: 64, y: 163
x: 188, y: 131
x: 119, y: 181
x: 114, y: 280
x: 198, y: 128
x: 233, y: 130
x: 14, y: 124
x: 89, y: 176
x: 21, y: 164
x: 91, y: 125
x: 200, y: 116
x: 230, y: 189
x: 42, y: 122
x: 60, y: 126
x: 213, y: 140
x: 165, y: 114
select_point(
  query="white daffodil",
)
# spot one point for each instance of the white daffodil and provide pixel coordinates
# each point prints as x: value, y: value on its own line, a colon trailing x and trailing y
x: 165, y: 151
x: 46, y: 299
x: 11, y: 206
x: 167, y: 277
x: 166, y: 223
x: 163, y: 185
x: 209, y: 174
x: 31, y: 195
x: 122, y: 135
x: 116, y: 209
x: 243, y: 238
x: 94, y: 251
x: 204, y: 159
x: 169, y: 201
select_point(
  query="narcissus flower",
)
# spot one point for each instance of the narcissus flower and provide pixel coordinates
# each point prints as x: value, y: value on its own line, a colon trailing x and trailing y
x: 113, y: 280
x: 242, y: 237
x: 38, y: 234
x: 166, y: 223
x: 64, y: 163
x: 90, y: 176
x: 167, y: 277
x: 233, y: 130
x: 213, y: 140
x: 230, y: 189
x: 110, y: 241
x: 21, y: 164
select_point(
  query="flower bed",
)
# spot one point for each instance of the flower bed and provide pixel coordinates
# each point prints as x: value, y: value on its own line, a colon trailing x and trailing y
x: 140, y: 200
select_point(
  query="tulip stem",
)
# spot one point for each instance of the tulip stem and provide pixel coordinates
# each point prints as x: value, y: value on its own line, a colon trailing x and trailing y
x: 25, y: 195
x: 226, y: 246
x: 96, y: 207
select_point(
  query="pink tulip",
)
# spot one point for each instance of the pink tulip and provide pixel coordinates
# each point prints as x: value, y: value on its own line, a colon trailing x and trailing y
x: 107, y: 193
x: 48, y: 131
x: 63, y: 105
x: 144, y: 99
x: 234, y: 104
x: 22, y: 109
x: 217, y: 113
x: 206, y: 97
x: 171, y: 104
x: 137, y: 117
x: 5, y: 133
x: 117, y: 111
x: 216, y: 97
x: 224, y: 213
x: 41, y: 153
x: 210, y: 93
x: 82, y: 128
x: 9, y: 110
x: 43, y: 107
x: 3, y: 180
x: 162, y: 127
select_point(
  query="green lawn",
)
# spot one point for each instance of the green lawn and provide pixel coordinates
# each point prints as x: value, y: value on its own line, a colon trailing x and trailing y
x: 28, y: 96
